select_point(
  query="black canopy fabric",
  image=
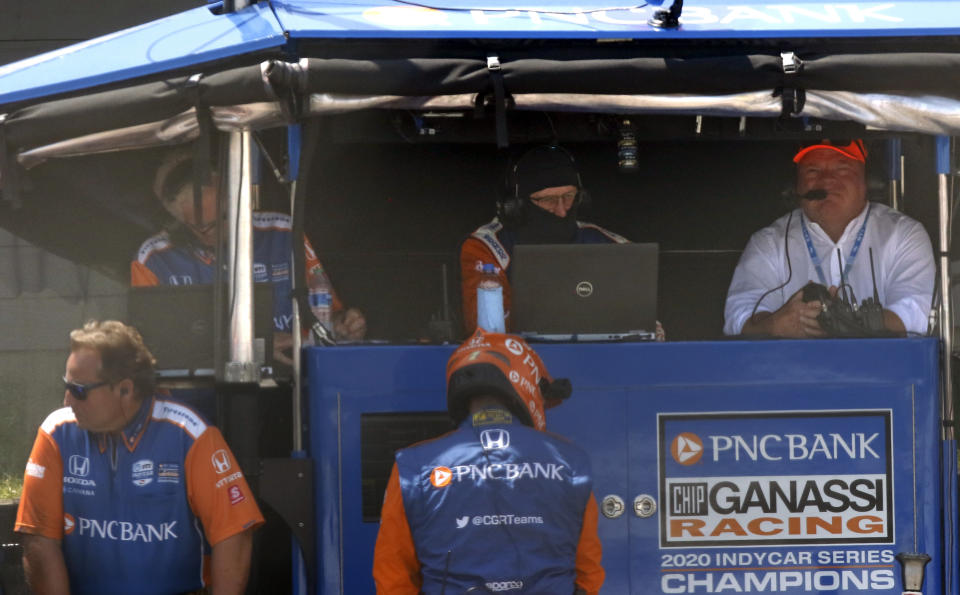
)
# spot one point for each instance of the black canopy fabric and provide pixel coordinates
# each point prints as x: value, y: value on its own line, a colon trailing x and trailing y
x: 52, y: 121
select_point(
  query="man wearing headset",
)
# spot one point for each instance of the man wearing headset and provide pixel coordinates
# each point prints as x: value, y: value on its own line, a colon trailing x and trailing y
x: 125, y: 492
x: 834, y: 215
x: 546, y: 193
x: 500, y: 504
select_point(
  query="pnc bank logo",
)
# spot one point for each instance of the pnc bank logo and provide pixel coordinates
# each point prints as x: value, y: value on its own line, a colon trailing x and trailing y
x: 440, y: 477
x: 68, y: 523
x: 686, y: 448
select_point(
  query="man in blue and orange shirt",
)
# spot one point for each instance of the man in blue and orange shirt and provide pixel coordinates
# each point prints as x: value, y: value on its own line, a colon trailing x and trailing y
x: 127, y: 493
x: 186, y: 254
x: 499, y: 504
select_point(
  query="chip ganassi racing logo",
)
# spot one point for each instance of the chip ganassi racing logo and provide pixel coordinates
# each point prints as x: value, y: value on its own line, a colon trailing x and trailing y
x: 686, y: 448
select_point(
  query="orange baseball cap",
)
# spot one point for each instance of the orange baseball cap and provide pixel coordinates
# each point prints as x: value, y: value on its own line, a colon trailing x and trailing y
x: 855, y: 150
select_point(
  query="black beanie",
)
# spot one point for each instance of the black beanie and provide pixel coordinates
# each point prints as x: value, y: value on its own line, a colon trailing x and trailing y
x: 544, y: 167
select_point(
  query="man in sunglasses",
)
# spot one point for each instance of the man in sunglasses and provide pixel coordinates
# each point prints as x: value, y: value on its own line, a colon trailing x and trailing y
x: 125, y: 492
x: 837, y: 239
x: 544, y: 194
x: 185, y: 254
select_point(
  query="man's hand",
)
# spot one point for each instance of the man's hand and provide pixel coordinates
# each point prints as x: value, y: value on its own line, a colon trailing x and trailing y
x: 282, y: 344
x: 349, y: 325
x: 44, y: 566
x: 796, y: 319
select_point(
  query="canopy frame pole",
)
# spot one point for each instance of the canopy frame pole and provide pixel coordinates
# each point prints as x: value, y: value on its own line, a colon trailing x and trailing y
x: 294, y: 134
x: 946, y: 323
x: 241, y: 366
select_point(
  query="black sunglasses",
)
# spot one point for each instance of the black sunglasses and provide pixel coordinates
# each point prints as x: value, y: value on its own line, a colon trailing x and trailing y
x: 80, y: 391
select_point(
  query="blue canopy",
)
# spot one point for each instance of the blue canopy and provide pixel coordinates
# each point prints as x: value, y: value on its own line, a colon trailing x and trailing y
x: 202, y: 37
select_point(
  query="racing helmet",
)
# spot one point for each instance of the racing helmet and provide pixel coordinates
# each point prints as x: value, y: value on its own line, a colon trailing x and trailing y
x: 502, y: 365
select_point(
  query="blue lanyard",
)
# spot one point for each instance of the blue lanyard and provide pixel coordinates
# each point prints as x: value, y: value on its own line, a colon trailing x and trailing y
x: 853, y: 251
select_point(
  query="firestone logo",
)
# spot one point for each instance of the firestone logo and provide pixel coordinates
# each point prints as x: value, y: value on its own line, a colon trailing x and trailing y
x: 686, y: 448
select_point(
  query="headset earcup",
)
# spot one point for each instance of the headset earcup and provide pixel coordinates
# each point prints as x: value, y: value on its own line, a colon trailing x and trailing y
x: 586, y: 200
x: 510, y: 212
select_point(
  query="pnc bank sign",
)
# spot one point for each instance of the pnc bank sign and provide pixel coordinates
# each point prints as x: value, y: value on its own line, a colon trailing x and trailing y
x: 687, y: 448
x: 808, y: 477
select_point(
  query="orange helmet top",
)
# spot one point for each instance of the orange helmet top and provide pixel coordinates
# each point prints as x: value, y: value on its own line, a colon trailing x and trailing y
x: 502, y: 365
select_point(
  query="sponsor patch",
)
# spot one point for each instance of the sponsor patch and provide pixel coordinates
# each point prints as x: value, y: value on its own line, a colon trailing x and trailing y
x: 440, y: 477
x: 280, y: 271
x: 490, y: 417
x: 494, y: 439
x: 68, y: 523
x: 168, y: 473
x: 221, y: 461
x: 35, y: 470
x: 236, y: 495
x: 260, y: 272
x: 79, y: 466
x: 142, y: 472
x: 228, y: 479
x: 501, y: 586
x: 776, y: 478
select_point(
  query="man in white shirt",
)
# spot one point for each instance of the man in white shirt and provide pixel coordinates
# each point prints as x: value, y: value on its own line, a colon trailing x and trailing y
x: 766, y: 294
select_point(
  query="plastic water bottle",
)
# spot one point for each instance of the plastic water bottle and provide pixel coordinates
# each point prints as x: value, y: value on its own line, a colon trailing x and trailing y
x: 490, y: 301
x: 320, y: 294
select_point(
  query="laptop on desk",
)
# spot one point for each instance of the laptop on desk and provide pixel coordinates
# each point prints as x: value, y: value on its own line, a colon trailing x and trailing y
x: 585, y: 292
x: 177, y: 322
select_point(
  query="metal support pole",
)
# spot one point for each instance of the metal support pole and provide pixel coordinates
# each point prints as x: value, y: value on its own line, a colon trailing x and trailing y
x: 894, y: 170
x: 241, y: 366
x: 294, y: 140
x: 946, y: 322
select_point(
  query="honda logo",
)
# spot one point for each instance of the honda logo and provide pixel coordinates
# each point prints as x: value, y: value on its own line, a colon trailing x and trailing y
x: 221, y: 461
x: 494, y: 439
x: 79, y: 466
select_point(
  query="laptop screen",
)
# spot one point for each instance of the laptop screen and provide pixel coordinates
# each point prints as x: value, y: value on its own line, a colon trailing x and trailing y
x: 177, y: 322
x: 584, y: 289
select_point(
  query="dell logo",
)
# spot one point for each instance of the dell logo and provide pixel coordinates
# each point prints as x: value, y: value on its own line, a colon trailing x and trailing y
x: 494, y: 439
x: 584, y: 289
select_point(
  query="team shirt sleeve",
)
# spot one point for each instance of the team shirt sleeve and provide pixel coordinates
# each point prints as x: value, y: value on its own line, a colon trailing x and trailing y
x: 141, y: 275
x: 396, y: 569
x: 219, y: 495
x: 590, y: 573
x: 41, y: 503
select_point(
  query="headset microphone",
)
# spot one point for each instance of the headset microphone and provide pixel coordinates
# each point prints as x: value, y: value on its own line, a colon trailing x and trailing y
x: 790, y: 194
x: 815, y: 194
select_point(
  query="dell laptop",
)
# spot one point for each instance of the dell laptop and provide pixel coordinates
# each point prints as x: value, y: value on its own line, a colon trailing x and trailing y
x: 586, y: 292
